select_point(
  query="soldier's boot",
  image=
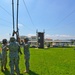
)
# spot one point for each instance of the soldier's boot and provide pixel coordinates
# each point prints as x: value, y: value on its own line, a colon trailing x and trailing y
x: 12, y: 74
x: 14, y: 69
x: 5, y: 68
x: 18, y: 73
x: 27, y: 70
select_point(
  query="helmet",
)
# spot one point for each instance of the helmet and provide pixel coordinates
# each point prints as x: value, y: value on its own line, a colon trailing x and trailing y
x: 4, y: 41
x: 12, y: 39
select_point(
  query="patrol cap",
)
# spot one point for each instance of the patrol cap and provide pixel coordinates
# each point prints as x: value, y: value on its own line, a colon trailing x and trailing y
x: 4, y: 41
x: 12, y: 39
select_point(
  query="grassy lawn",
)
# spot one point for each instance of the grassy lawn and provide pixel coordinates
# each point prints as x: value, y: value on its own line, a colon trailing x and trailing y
x: 52, y: 61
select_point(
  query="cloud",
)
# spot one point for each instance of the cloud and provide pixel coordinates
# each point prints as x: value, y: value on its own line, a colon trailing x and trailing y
x: 29, y: 35
x: 20, y: 25
x: 57, y: 36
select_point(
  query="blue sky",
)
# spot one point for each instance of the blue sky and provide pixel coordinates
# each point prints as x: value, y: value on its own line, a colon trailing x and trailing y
x: 56, y: 17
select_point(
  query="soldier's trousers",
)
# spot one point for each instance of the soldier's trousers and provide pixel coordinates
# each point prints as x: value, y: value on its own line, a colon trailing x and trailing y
x: 27, y: 62
x: 14, y: 62
x: 3, y: 62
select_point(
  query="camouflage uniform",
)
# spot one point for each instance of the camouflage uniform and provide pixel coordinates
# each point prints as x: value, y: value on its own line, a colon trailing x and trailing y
x: 13, y: 56
x: 4, y: 55
x: 0, y: 56
x: 26, y: 46
x: 0, y: 59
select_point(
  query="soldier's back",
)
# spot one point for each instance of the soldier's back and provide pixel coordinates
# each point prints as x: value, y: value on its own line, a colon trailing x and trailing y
x: 13, y: 49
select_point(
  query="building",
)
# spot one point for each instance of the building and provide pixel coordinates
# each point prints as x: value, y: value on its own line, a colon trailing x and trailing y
x: 47, y: 41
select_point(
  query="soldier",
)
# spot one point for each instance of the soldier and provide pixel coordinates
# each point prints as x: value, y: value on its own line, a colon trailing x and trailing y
x: 19, y: 50
x: 4, y: 55
x: 0, y: 56
x: 26, y: 46
x: 13, y: 56
x: 0, y: 59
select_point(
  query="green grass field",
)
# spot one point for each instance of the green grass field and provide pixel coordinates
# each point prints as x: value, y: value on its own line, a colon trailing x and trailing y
x: 51, y: 61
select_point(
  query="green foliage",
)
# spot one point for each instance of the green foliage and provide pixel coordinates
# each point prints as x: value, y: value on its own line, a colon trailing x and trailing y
x: 51, y: 61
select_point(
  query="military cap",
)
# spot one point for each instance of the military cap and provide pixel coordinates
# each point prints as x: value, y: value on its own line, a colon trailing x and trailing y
x: 26, y: 39
x: 12, y: 39
x: 4, y: 41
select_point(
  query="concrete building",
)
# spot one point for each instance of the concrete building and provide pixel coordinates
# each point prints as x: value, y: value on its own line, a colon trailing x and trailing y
x: 47, y: 41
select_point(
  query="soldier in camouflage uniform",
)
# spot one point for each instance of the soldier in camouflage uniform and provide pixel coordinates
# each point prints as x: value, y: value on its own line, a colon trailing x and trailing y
x: 26, y: 46
x: 13, y: 56
x: 4, y: 55
x: 0, y: 59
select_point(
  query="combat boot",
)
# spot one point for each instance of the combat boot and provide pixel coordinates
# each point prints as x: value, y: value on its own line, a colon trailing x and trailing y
x: 26, y: 71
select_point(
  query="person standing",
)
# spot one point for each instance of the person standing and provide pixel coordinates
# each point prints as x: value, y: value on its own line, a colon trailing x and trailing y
x: 0, y: 59
x: 13, y: 56
x: 4, y: 55
x: 26, y: 46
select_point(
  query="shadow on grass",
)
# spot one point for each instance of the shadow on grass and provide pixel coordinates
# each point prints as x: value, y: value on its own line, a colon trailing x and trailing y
x: 6, y: 72
x: 32, y: 73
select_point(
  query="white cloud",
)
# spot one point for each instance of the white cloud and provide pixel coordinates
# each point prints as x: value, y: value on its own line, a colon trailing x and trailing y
x: 29, y: 35
x: 57, y: 36
x: 20, y: 25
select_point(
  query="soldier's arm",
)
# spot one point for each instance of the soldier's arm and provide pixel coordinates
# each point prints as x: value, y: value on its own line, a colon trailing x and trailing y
x: 19, y: 50
x: 4, y: 47
x: 7, y: 47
